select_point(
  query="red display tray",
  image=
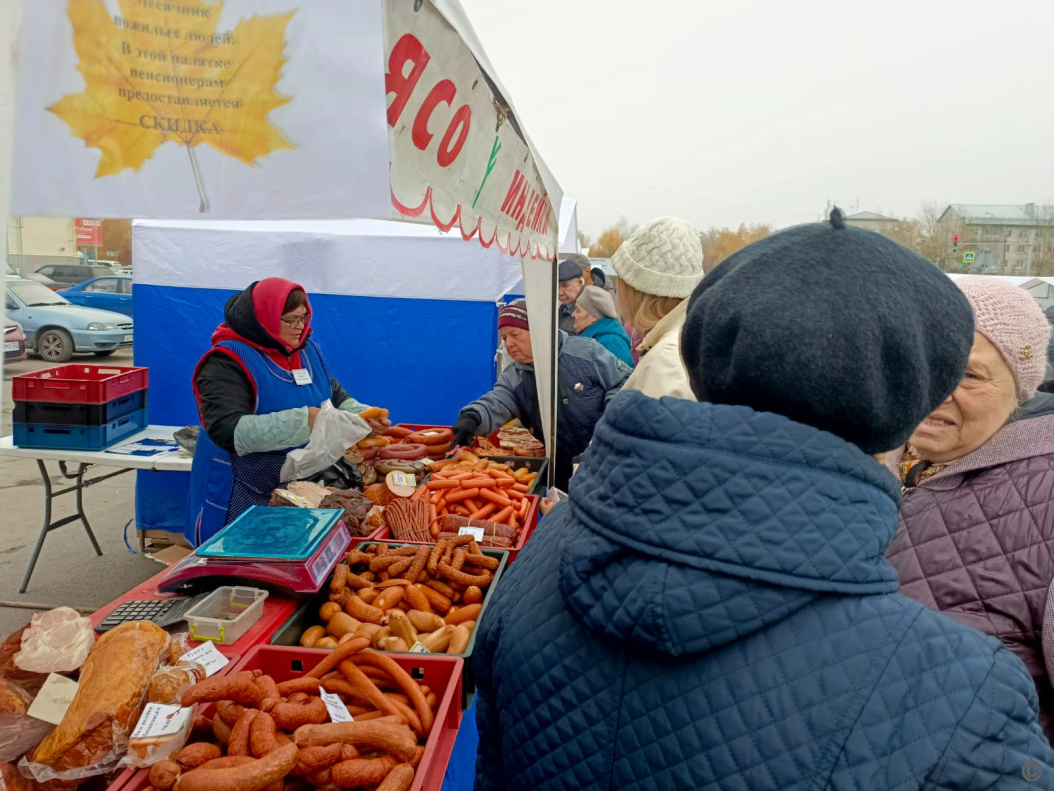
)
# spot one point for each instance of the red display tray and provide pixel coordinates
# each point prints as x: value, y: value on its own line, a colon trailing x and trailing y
x: 532, y: 522
x: 441, y: 673
x: 374, y: 536
x: 79, y: 384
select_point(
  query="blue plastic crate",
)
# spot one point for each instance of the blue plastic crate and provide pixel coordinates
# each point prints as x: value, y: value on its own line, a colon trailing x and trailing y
x: 54, y: 437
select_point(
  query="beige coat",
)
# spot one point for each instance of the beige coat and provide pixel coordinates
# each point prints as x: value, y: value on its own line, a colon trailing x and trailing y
x: 660, y: 371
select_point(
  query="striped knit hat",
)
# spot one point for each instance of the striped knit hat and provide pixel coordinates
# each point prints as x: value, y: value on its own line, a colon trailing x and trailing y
x: 514, y: 315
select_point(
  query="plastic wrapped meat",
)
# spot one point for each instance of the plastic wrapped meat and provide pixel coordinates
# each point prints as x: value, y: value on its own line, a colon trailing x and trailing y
x: 30, y: 682
x: 57, y: 641
x: 18, y: 731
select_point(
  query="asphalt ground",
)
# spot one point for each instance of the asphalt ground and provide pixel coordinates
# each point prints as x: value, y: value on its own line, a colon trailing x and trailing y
x: 68, y: 571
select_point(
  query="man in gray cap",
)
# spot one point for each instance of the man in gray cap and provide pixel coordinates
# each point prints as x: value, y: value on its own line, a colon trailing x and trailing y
x: 572, y: 280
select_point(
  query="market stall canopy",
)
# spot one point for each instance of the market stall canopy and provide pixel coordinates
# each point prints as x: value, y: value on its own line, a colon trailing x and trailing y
x: 270, y: 109
x: 568, y: 226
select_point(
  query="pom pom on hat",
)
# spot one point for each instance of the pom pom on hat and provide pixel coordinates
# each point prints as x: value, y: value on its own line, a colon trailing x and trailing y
x: 663, y: 258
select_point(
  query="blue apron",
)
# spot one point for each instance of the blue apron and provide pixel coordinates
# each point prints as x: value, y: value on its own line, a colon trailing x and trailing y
x: 223, y: 485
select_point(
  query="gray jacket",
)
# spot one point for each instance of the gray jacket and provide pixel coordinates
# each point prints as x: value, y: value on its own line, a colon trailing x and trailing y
x: 590, y: 376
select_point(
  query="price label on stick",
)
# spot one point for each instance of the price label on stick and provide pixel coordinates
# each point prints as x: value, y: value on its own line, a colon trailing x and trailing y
x: 476, y: 532
x: 417, y: 648
x: 209, y: 656
x: 338, y: 712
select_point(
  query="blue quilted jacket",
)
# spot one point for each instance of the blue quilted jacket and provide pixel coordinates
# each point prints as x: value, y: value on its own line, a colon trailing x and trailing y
x: 712, y: 609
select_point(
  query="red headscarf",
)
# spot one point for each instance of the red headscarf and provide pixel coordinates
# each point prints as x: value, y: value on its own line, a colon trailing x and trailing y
x: 254, y: 317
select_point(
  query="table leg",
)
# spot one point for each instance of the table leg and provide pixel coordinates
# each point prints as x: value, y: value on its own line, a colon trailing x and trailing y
x: 49, y: 495
x: 80, y: 508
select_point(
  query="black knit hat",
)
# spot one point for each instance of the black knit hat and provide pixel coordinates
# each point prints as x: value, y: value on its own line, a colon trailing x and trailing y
x: 839, y: 328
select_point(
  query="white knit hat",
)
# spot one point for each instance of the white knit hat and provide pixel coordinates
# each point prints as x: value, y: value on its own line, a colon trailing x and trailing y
x: 663, y: 258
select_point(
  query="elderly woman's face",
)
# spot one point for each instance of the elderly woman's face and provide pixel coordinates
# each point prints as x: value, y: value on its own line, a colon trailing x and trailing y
x: 583, y: 318
x: 971, y: 416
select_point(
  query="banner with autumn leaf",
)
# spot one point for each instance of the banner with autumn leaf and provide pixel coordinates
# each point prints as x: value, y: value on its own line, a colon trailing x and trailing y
x: 186, y: 108
x: 241, y: 109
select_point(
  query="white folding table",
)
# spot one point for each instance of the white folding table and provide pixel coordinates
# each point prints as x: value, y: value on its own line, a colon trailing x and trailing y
x: 169, y: 461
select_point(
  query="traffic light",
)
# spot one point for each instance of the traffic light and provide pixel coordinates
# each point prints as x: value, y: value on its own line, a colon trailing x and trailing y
x: 955, y: 243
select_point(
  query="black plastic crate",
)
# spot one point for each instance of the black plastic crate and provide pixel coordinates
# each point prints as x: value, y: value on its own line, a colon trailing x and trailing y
x: 63, y: 414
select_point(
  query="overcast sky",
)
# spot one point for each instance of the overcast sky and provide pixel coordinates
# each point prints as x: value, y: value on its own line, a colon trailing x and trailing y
x: 737, y: 111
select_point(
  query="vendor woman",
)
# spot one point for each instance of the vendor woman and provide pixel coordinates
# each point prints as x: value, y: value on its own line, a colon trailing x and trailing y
x: 589, y: 377
x: 259, y: 389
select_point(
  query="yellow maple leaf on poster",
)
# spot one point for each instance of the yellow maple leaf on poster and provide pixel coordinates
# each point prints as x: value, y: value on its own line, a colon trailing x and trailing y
x: 160, y: 71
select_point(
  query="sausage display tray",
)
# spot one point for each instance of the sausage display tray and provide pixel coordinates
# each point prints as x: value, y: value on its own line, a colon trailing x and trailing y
x: 531, y: 521
x: 288, y: 634
x: 441, y: 673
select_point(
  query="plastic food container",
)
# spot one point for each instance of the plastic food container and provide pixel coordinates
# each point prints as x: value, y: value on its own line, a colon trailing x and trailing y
x: 226, y: 615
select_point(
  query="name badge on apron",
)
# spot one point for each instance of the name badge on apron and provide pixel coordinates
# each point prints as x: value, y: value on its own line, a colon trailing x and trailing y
x: 301, y: 377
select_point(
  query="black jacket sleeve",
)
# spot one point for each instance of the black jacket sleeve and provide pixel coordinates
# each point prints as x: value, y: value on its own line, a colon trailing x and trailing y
x: 224, y: 395
x: 340, y: 395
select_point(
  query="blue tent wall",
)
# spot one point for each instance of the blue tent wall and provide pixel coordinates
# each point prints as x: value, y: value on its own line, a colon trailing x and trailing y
x: 421, y: 359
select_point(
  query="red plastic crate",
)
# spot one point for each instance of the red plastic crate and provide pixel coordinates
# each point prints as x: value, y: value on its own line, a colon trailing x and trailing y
x: 79, y: 384
x: 441, y: 673
x: 531, y: 522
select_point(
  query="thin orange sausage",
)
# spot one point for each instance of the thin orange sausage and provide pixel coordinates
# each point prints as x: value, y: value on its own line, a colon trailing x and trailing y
x: 464, y: 494
x: 406, y: 685
x: 480, y: 483
x: 525, y: 506
x: 501, y: 516
x: 341, y: 653
x: 442, y: 484
x: 521, y: 487
x: 494, y: 497
x: 483, y: 512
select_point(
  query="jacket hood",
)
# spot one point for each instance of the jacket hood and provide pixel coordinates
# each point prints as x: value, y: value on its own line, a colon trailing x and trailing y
x: 604, y: 326
x: 254, y: 316
x: 695, y: 524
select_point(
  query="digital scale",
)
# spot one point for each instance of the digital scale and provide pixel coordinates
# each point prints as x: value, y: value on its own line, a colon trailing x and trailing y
x: 283, y: 549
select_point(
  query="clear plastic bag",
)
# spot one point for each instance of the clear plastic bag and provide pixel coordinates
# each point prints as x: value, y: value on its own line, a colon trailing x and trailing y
x: 57, y: 641
x: 333, y: 433
x: 18, y: 731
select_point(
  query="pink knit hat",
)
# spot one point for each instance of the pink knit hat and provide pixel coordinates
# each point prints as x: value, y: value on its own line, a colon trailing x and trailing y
x: 1013, y: 321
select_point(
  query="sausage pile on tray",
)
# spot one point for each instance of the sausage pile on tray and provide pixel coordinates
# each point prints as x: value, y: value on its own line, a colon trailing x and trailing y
x: 259, y: 734
x: 396, y: 598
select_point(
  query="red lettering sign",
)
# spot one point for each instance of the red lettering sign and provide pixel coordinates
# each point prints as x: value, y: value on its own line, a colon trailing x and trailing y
x: 88, y: 232
x: 461, y: 121
x: 406, y: 50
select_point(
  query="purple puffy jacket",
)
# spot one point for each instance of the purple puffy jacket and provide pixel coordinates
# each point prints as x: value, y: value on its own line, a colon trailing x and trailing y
x: 976, y: 541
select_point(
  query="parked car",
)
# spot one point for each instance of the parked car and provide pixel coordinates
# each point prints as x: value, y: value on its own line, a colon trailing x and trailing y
x: 105, y: 293
x: 55, y: 328
x: 72, y: 274
x: 47, y: 281
x: 14, y: 342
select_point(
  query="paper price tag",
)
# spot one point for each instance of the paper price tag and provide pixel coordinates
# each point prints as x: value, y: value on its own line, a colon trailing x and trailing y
x: 405, y: 479
x: 208, y: 655
x: 417, y: 648
x: 338, y: 712
x: 301, y: 377
x: 53, y: 700
x: 158, y: 719
x: 476, y: 532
